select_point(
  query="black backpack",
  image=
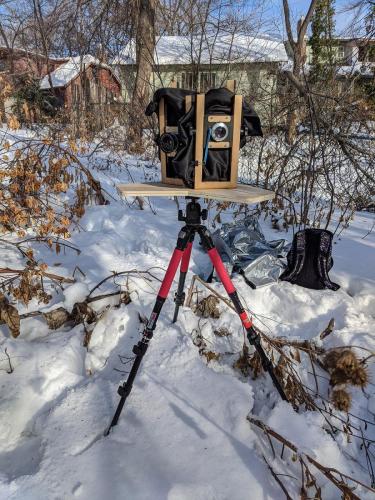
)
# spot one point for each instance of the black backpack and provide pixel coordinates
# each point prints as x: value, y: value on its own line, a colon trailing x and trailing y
x: 309, y: 260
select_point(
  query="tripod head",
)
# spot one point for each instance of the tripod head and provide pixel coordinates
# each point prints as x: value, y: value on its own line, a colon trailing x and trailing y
x: 194, y: 214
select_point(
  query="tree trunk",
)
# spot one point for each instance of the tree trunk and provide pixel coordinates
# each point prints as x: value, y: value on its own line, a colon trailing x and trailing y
x: 145, y: 46
x: 298, y: 48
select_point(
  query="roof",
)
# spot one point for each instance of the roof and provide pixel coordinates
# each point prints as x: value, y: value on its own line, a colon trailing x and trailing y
x: 212, y: 50
x: 365, y: 69
x: 29, y: 53
x: 68, y: 71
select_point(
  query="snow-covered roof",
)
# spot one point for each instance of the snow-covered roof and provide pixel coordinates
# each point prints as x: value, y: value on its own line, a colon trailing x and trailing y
x: 211, y: 50
x: 65, y: 73
x: 366, y: 69
x: 17, y: 51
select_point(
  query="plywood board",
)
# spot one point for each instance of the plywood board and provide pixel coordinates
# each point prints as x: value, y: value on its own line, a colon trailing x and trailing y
x: 199, y: 130
x: 240, y: 194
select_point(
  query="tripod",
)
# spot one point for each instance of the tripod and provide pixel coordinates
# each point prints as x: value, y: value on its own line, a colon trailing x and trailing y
x: 181, y: 255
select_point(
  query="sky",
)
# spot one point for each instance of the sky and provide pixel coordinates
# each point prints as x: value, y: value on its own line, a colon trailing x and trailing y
x: 273, y: 10
x: 298, y: 8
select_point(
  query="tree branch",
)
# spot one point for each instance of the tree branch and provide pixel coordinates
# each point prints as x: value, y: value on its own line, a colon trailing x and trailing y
x: 288, y: 25
x: 306, y: 21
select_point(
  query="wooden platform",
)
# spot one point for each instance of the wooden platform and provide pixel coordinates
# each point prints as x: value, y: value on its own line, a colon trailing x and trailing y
x: 240, y: 194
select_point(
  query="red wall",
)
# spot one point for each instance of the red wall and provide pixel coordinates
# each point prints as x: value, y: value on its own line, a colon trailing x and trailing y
x: 105, y: 77
x: 27, y: 64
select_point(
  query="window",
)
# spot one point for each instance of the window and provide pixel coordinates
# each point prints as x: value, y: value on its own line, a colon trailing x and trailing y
x: 207, y: 81
x: 95, y: 74
x: 76, y: 94
x: 341, y: 54
x: 187, y: 81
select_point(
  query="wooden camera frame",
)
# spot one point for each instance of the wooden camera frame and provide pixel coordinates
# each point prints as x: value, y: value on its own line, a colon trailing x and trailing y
x: 234, y: 120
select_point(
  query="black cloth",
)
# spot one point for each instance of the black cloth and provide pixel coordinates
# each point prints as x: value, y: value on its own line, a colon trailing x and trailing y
x: 217, y: 102
x: 174, y: 104
x: 310, y: 260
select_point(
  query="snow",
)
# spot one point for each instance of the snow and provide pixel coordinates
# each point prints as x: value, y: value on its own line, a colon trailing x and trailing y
x: 69, y: 70
x: 75, y: 293
x: 183, y: 434
x: 220, y: 49
x: 366, y: 69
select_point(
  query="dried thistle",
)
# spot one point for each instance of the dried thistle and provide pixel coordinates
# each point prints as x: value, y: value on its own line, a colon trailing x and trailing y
x: 339, y: 377
x: 208, y: 307
x: 330, y: 359
x: 348, y: 361
x: 242, y: 364
x: 211, y: 356
x: 255, y: 364
x: 222, y: 332
x: 341, y: 399
x: 360, y: 377
x: 344, y: 367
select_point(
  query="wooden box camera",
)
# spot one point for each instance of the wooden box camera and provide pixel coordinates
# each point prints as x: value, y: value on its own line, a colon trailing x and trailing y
x: 213, y: 131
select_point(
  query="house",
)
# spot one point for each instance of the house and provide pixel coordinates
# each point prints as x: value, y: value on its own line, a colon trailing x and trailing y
x: 83, y: 81
x: 201, y: 63
x: 352, y: 57
x: 19, y: 62
x: 86, y: 89
x: 350, y: 51
x: 18, y: 66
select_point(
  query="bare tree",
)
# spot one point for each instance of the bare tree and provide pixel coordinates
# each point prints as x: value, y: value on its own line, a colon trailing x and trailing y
x: 145, y: 47
x: 298, y: 49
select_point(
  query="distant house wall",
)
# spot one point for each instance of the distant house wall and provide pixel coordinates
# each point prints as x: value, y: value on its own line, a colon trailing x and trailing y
x: 21, y: 63
x: 350, y: 51
x: 257, y: 81
x: 92, y: 99
x: 94, y: 86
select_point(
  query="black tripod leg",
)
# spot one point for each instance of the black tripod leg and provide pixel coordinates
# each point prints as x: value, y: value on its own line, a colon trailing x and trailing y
x: 252, y: 334
x: 140, y: 349
x: 180, y: 295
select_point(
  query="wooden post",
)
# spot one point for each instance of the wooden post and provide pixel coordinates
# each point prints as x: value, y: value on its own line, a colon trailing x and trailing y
x: 235, y: 151
x: 231, y: 85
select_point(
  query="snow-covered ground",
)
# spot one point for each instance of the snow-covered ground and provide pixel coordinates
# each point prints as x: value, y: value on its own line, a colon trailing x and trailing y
x: 183, y: 434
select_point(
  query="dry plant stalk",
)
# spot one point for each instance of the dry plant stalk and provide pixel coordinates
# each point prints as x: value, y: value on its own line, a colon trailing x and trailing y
x: 247, y: 364
x: 201, y: 343
x: 339, y: 479
x: 34, y: 174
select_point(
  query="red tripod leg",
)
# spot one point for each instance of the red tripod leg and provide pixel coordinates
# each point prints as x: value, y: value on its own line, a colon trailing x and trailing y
x: 180, y: 295
x: 252, y: 334
x: 228, y: 285
x: 140, y: 349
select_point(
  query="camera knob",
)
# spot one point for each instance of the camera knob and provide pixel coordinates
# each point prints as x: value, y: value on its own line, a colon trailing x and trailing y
x: 204, y: 214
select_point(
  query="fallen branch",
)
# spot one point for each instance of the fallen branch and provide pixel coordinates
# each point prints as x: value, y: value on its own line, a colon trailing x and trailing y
x: 329, y: 472
x: 58, y: 317
x: 56, y: 277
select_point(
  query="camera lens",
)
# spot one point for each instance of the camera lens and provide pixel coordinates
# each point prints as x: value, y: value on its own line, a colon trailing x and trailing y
x: 219, y: 132
x: 168, y: 142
